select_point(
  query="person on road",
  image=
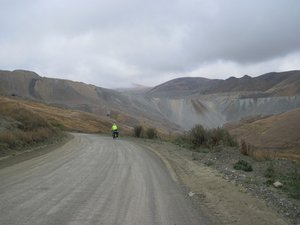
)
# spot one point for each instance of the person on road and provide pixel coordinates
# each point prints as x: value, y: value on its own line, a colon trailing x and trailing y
x: 114, y: 130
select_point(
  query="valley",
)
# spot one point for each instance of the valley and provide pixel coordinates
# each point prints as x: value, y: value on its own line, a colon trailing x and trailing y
x: 172, y: 107
x: 262, y: 112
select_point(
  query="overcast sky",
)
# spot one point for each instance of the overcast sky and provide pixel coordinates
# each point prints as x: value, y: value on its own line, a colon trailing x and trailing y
x: 114, y: 43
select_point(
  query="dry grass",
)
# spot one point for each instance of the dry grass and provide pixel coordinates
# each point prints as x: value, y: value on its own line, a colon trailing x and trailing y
x: 272, y: 137
x: 19, y: 138
x: 63, y: 119
x: 21, y: 126
x: 261, y: 154
x: 25, y: 122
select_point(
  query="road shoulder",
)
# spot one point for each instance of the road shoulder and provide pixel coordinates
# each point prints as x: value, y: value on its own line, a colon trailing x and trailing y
x: 36, y: 151
x: 226, y: 201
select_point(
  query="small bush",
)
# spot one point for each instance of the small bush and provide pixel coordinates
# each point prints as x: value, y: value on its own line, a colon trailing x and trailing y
x: 227, y: 139
x: 137, y: 131
x: 214, y: 137
x: 198, y: 136
x: 151, y: 133
x: 242, y: 165
x: 219, y: 136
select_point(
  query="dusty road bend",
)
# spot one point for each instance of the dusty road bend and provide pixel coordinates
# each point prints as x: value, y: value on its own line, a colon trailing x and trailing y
x: 94, y: 180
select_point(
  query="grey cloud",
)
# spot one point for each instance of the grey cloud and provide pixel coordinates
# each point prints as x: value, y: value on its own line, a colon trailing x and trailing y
x: 136, y: 39
x: 245, y: 31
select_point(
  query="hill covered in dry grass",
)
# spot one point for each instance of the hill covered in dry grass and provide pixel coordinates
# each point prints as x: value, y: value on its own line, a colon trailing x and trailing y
x: 271, y: 136
x: 21, y: 127
x: 24, y: 123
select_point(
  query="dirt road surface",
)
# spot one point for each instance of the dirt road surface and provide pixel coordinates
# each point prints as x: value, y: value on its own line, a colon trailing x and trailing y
x: 95, y: 180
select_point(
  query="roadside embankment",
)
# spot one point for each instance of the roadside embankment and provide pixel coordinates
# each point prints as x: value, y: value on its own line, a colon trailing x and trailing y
x: 229, y: 200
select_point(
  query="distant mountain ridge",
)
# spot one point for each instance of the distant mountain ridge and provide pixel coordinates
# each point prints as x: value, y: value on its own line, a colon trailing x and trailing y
x: 27, y: 84
x: 274, y: 84
x: 175, y: 105
x: 125, y: 107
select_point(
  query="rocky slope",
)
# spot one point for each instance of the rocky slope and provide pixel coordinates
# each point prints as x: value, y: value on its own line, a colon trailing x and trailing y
x: 216, y: 110
x: 215, y: 102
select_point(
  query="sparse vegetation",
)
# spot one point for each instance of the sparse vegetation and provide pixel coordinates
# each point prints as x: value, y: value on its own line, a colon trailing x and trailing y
x: 292, y: 184
x: 243, y: 165
x: 220, y: 136
x: 139, y: 131
x: 291, y: 180
x: 199, y: 137
x: 210, y: 138
x: 183, y: 141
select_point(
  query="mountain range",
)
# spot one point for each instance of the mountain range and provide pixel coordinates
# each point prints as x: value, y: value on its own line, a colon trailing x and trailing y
x: 271, y: 84
x: 176, y: 105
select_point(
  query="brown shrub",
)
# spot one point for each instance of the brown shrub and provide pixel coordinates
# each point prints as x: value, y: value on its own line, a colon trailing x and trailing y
x: 198, y: 136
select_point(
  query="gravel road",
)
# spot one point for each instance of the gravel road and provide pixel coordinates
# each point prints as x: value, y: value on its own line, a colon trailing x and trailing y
x: 95, y: 180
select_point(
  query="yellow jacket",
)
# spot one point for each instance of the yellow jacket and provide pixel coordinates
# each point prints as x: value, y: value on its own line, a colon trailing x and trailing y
x: 114, y: 127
